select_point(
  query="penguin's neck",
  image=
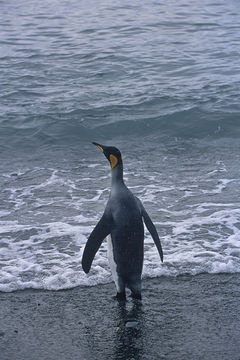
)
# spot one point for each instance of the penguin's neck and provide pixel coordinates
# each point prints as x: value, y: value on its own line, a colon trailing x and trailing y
x: 117, y: 176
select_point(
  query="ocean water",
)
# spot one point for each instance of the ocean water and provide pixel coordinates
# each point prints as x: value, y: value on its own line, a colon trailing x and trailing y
x: 160, y: 80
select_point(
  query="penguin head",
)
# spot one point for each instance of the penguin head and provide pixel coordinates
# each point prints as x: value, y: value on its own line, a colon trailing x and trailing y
x: 112, y: 154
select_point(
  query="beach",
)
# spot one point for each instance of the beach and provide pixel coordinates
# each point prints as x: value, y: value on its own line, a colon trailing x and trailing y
x: 184, y: 317
x: 158, y: 80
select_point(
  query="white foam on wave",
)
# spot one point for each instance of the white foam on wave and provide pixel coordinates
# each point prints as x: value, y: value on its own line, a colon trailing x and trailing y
x: 49, y: 257
x: 221, y: 185
x: 198, y: 235
x: 93, y: 165
x: 4, y: 213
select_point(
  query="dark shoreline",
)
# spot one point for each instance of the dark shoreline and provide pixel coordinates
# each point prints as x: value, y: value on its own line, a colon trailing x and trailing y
x: 187, y: 317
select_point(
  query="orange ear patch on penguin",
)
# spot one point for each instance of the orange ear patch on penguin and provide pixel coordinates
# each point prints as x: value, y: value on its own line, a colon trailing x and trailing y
x: 113, y: 160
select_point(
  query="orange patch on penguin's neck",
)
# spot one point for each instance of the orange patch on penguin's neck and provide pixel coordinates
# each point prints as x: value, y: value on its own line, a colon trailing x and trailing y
x: 113, y: 161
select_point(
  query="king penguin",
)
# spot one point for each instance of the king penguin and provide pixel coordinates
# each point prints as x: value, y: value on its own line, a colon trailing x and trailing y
x: 122, y: 223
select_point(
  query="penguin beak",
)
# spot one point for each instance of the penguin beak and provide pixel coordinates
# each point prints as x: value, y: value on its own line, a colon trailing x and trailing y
x: 101, y: 147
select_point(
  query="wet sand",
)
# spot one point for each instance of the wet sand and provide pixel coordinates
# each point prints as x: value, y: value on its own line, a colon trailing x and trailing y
x: 179, y: 318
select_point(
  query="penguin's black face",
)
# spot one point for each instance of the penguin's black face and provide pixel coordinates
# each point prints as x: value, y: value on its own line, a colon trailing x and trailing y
x: 112, y: 154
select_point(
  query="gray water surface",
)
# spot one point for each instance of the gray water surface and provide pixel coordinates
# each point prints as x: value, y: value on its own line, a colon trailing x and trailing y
x: 159, y: 80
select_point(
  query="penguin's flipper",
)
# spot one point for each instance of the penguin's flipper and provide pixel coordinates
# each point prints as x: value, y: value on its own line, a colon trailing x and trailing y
x: 151, y: 228
x: 99, y: 233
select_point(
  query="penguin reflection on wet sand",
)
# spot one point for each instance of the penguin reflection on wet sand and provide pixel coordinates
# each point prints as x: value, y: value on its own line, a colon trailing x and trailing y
x: 122, y: 223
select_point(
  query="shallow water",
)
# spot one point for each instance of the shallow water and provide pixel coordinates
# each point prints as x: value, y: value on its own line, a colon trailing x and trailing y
x: 158, y: 80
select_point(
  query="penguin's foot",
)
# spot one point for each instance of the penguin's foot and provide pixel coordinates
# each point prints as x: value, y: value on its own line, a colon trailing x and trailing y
x: 136, y: 296
x: 120, y: 296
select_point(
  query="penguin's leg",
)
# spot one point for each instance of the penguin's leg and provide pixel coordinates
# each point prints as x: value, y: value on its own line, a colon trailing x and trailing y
x: 119, y: 281
x: 134, y: 284
x: 120, y: 285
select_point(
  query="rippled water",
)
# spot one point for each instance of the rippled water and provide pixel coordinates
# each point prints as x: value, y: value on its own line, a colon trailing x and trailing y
x: 159, y: 80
